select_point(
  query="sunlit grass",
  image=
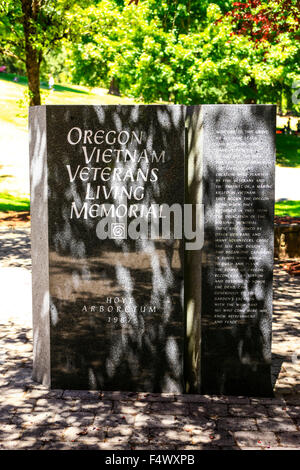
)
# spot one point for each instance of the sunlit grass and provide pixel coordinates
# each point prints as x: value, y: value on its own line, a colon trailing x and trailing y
x: 287, y: 208
x: 12, y: 93
x: 10, y: 202
x: 288, y: 150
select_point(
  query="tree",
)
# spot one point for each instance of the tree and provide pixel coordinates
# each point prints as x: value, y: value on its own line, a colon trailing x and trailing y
x: 181, y: 16
x: 273, y: 27
x: 265, y: 21
x: 152, y: 64
x: 211, y: 64
x: 28, y: 29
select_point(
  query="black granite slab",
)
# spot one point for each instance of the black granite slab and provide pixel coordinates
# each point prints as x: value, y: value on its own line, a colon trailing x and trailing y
x: 235, y: 177
x: 108, y: 312
x: 116, y: 314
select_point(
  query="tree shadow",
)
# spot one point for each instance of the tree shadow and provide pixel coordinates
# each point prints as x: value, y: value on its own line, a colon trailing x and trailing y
x: 143, y: 349
x: 237, y: 258
x: 33, y: 417
x: 15, y: 249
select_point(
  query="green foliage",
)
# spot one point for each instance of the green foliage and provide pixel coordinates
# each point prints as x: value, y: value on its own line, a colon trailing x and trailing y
x: 29, y: 29
x: 287, y: 208
x: 177, y: 15
x: 153, y: 59
x: 183, y: 16
x: 180, y: 16
x: 23, y: 104
x: 185, y: 51
x: 25, y: 99
x: 288, y: 150
x: 9, y: 202
x: 57, y: 63
x: 52, y: 22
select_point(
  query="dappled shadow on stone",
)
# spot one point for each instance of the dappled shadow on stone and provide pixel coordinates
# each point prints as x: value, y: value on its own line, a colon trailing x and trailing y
x: 84, y: 336
x: 237, y: 177
x: 138, y: 345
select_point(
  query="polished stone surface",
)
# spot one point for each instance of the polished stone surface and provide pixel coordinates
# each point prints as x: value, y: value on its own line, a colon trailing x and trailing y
x: 116, y: 315
x: 40, y: 248
x: 236, y: 182
x: 114, y: 306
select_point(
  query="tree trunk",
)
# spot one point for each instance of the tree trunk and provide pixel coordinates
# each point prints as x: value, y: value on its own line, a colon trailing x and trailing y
x: 33, y: 75
x: 252, y: 98
x: 33, y: 57
x: 114, y: 88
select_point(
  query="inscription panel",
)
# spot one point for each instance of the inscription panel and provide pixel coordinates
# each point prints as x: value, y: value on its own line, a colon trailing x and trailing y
x: 238, y: 195
x: 115, y: 302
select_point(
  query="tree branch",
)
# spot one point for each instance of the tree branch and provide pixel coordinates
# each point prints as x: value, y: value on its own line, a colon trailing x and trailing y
x: 54, y: 40
x: 15, y: 43
x: 11, y: 54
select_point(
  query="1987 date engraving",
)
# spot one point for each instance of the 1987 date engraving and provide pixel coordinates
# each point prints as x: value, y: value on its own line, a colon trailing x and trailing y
x: 122, y: 320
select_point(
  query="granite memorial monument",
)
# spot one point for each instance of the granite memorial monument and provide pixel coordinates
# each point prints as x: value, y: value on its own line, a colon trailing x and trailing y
x: 107, y: 298
x: 118, y: 303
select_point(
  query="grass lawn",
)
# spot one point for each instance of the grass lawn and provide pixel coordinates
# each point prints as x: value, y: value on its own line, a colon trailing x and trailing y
x: 9, y: 202
x: 288, y: 150
x: 290, y: 208
x: 11, y: 93
x: 14, y: 123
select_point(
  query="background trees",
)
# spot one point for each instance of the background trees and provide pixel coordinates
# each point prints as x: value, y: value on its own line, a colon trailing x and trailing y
x: 31, y: 28
x: 184, y: 51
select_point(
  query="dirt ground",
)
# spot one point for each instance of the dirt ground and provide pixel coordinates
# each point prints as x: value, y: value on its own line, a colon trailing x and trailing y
x: 14, y: 220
